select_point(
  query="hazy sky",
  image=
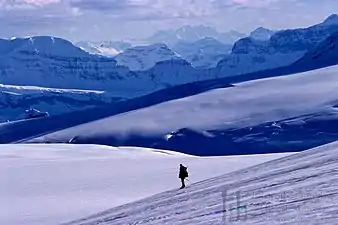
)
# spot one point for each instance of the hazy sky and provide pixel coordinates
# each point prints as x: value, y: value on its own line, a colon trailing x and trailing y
x: 118, y: 19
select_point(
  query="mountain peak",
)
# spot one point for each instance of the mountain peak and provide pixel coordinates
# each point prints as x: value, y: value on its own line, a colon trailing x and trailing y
x: 105, y: 48
x: 333, y: 19
x: 260, y: 29
x: 209, y: 40
x: 262, y: 33
x: 46, y: 45
x: 145, y: 57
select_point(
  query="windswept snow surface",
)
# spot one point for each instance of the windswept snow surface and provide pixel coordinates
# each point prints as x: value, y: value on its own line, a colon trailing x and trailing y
x: 288, y: 113
x: 50, y: 184
x: 301, y: 189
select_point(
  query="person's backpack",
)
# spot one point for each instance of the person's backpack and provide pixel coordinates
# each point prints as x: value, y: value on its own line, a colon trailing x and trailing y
x: 185, y: 171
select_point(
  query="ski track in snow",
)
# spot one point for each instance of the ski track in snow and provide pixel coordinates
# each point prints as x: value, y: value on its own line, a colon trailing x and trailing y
x: 51, y: 184
x: 298, y: 189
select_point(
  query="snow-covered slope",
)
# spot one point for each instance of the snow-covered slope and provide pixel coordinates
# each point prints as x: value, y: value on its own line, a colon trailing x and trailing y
x: 14, y: 100
x: 24, y: 130
x: 299, y: 189
x: 193, y: 33
x: 262, y: 33
x: 206, y: 52
x: 251, y: 117
x: 144, y: 57
x: 105, y: 48
x: 283, y: 48
x: 50, y: 184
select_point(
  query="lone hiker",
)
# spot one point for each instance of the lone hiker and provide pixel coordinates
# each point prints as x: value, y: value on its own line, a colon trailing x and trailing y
x: 183, y: 174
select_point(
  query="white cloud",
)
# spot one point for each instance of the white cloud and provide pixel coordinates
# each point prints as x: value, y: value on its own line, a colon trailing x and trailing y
x: 41, y: 2
x: 125, y: 18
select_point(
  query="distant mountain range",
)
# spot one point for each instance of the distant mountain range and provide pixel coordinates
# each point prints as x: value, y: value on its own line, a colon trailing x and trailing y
x: 204, y: 53
x: 321, y: 56
x: 283, y: 48
x: 48, y: 62
x: 192, y: 34
x: 202, y: 46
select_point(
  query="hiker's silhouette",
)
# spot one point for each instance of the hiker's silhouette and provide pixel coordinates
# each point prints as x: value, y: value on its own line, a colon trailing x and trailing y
x: 183, y: 174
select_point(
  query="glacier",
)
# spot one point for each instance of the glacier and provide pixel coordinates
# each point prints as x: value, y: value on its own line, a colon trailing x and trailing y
x: 14, y: 100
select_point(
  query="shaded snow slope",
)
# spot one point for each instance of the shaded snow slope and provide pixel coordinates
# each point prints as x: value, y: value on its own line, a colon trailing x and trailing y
x: 144, y: 57
x: 326, y: 53
x: 14, y: 100
x: 287, y: 113
x: 25, y: 130
x: 50, y: 184
x: 299, y: 189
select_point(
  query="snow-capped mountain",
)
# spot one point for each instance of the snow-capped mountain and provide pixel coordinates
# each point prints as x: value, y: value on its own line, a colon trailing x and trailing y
x: 250, y: 55
x: 144, y: 57
x: 105, y: 48
x: 206, y: 52
x: 262, y: 33
x: 193, y: 33
x: 282, y: 49
x: 324, y: 54
x: 40, y: 46
x: 15, y: 100
x: 164, y: 74
x: 56, y: 63
x: 331, y: 20
x: 53, y: 64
